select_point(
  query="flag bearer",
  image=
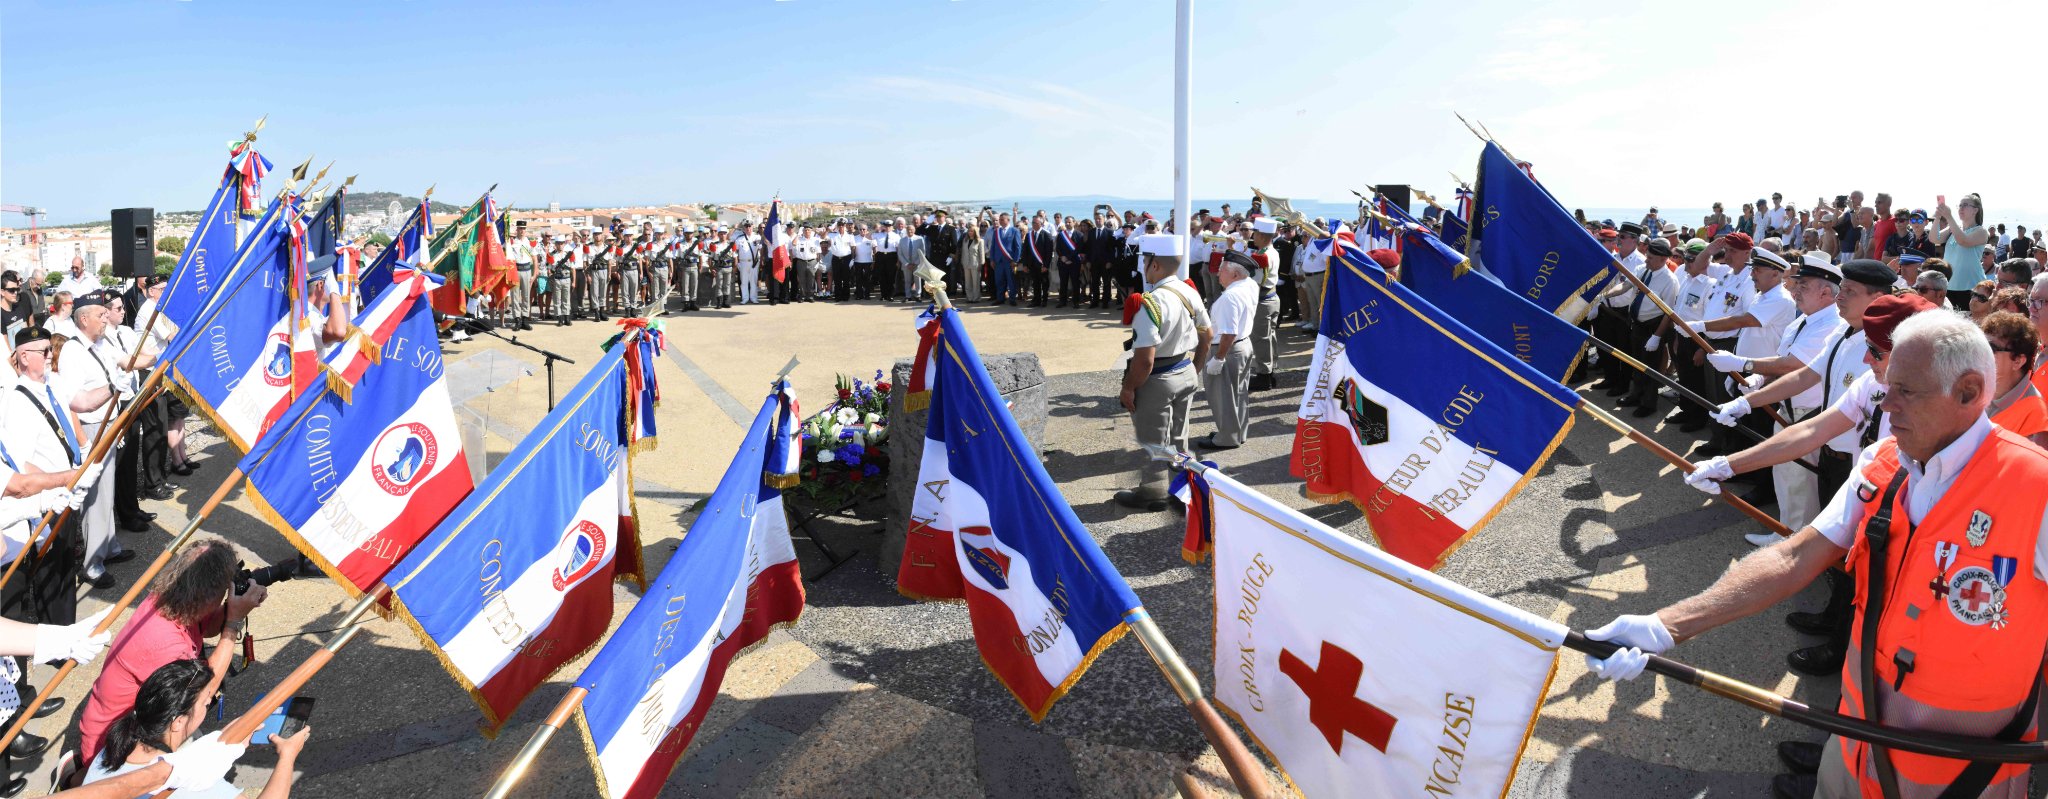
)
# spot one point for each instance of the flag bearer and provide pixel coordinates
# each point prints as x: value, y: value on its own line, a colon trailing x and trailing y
x: 1170, y: 342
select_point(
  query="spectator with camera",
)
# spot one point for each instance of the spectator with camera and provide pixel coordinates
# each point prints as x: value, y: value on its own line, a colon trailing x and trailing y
x: 194, y: 598
x: 168, y: 711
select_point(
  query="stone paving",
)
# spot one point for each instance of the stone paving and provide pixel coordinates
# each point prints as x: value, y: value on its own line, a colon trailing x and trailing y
x: 872, y: 695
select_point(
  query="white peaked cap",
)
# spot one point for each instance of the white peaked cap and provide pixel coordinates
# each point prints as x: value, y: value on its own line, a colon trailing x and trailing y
x: 1165, y: 245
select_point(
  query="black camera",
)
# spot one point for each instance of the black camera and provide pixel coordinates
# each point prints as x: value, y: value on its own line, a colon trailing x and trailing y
x: 267, y: 575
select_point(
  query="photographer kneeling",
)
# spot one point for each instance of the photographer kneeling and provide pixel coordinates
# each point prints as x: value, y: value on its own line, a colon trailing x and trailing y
x: 168, y: 711
x: 191, y: 600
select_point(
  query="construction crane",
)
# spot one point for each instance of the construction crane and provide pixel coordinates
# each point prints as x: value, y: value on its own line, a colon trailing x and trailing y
x: 34, y: 236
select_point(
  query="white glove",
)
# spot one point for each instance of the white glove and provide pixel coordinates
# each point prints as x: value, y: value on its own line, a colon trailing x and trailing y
x: 53, y: 500
x: 203, y: 762
x: 1732, y: 411
x: 1754, y: 382
x: 1641, y: 637
x: 91, y: 475
x: 1215, y: 367
x: 72, y: 641
x: 1651, y: 345
x: 1708, y: 474
x: 1727, y: 361
x: 76, y: 499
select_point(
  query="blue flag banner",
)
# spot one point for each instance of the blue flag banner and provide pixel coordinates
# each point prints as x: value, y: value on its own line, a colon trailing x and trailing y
x: 402, y: 253
x: 732, y: 580
x: 988, y: 525
x: 1442, y: 276
x: 1532, y: 243
x: 516, y: 582
x: 239, y: 369
x: 1427, y: 427
x: 208, y: 253
x: 355, y: 484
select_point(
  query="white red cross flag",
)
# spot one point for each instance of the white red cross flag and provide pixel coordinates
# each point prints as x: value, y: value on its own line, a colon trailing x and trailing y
x: 1412, y: 686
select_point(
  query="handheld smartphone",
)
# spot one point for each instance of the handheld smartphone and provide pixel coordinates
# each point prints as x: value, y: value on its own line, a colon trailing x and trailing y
x: 286, y: 721
x: 1941, y: 199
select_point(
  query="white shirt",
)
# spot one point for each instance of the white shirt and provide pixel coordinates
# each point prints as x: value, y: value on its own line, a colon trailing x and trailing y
x: 29, y: 439
x: 1693, y: 291
x: 1777, y: 219
x: 863, y: 249
x: 1808, y: 339
x: 1315, y: 256
x: 1634, y: 264
x: 1731, y: 296
x: 79, y: 286
x: 221, y: 789
x: 1841, y: 521
x: 1773, y: 311
x: 888, y: 242
x: 1663, y: 285
x: 1839, y: 376
x: 1859, y: 405
x: 1232, y: 312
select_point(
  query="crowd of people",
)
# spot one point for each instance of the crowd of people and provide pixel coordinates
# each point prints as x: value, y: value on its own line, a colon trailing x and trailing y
x: 1043, y: 260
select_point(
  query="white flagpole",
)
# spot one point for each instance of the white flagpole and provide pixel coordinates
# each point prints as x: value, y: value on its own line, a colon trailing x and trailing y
x: 1183, y: 86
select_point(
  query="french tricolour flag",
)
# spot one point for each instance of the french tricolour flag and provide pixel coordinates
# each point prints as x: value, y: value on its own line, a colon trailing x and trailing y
x: 1423, y: 424
x: 516, y: 581
x: 777, y: 239
x: 989, y: 526
x: 356, y: 483
x: 733, y: 578
x: 239, y: 365
x: 346, y: 361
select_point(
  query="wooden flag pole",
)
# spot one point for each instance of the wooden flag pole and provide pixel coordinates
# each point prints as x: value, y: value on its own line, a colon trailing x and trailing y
x: 1937, y: 744
x: 1684, y: 392
x: 531, y: 751
x: 1245, y: 770
x: 1683, y: 465
x: 245, y: 725
x: 27, y: 713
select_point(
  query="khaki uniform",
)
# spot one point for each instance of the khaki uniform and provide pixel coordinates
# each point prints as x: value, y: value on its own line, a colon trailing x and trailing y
x: 1173, y: 321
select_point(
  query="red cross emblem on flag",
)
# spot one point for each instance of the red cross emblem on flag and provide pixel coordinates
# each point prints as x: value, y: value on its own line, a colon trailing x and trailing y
x: 1333, y: 704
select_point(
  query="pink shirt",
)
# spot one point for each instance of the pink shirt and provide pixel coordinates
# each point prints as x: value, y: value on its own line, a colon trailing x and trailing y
x: 147, y: 643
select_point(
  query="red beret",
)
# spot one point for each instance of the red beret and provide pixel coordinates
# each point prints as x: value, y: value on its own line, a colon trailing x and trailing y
x: 1884, y: 315
x: 1387, y: 259
x: 1739, y: 241
x: 1132, y: 303
x: 1609, y: 233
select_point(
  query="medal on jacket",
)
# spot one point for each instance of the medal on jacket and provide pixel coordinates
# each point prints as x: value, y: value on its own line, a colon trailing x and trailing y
x: 1944, y: 556
x: 1976, y: 598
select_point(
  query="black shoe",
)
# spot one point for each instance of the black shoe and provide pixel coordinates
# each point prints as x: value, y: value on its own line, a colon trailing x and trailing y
x: 1131, y: 499
x: 1627, y: 402
x: 1801, y: 757
x: 1645, y: 410
x: 162, y: 493
x: 1705, y: 451
x: 1821, y: 660
x: 13, y: 788
x: 122, y: 556
x: 27, y: 745
x: 100, y: 583
x: 133, y: 525
x: 1600, y: 385
x: 1617, y: 390
x: 1693, y: 426
x: 1795, y: 786
x: 1209, y: 442
x: 1812, y: 623
x: 1264, y: 382
x: 183, y: 470
x: 50, y: 708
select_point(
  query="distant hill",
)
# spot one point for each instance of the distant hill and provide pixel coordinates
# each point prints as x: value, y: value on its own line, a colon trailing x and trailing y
x: 360, y: 201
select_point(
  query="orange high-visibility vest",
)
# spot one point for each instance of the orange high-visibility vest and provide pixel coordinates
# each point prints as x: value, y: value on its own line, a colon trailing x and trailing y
x: 1962, y: 658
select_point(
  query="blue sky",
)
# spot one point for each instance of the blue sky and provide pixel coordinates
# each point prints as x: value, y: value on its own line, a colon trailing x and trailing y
x: 106, y: 104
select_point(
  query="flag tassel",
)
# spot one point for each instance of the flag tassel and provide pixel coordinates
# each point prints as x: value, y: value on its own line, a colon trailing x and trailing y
x: 1683, y: 465
x: 531, y: 751
x: 134, y: 592
x: 1245, y: 770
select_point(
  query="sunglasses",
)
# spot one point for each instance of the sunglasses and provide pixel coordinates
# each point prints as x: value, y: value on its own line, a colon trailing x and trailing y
x: 1975, y: 297
x: 2011, y: 350
x: 1878, y: 354
x: 33, y: 351
x: 2036, y: 304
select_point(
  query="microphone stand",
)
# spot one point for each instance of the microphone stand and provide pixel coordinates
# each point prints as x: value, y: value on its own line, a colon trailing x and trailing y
x: 548, y: 359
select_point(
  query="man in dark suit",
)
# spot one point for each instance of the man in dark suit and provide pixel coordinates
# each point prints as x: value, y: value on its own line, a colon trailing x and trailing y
x: 944, y: 240
x: 1039, y: 249
x: 1102, y: 263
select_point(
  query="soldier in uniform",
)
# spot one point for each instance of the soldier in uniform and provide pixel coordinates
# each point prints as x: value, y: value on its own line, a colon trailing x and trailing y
x: 1266, y: 319
x: 1170, y: 342
x: 667, y: 249
x: 724, y: 262
x: 521, y: 251
x: 561, y: 278
x: 599, y: 270
x: 631, y: 266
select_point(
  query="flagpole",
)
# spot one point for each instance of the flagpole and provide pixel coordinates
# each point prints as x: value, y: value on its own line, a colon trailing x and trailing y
x: 1183, y: 96
x: 28, y: 712
x: 531, y: 751
x: 1683, y: 465
x: 1684, y: 392
x: 1937, y: 744
x: 245, y: 725
x: 1244, y: 769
